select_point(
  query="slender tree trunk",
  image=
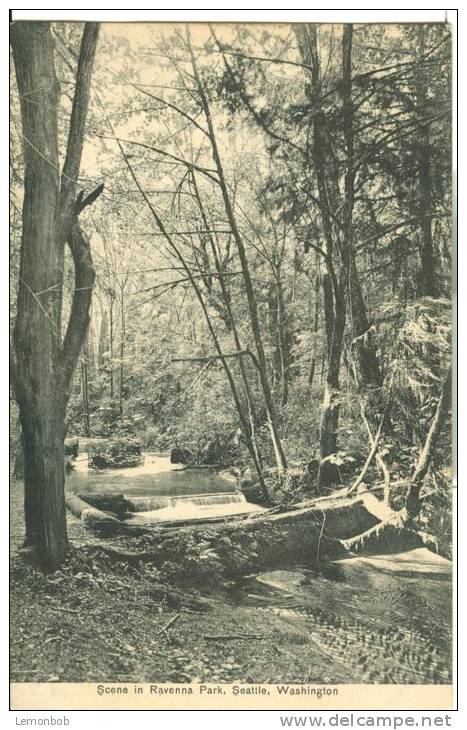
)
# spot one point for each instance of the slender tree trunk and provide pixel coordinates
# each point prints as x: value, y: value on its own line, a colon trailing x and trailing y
x: 258, y: 461
x: 122, y: 345
x: 272, y: 309
x: 85, y: 396
x: 280, y: 359
x: 111, y: 346
x: 413, y: 497
x: 283, y: 340
x: 329, y: 423
x: 103, y: 339
x: 251, y: 297
x: 335, y: 296
x: 331, y: 402
x: 196, y: 289
x: 311, y: 372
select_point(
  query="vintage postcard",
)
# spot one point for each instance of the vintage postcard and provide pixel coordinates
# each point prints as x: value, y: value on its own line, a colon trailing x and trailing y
x: 231, y: 417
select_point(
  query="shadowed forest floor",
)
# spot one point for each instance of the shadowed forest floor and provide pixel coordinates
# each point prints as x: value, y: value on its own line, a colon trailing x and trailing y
x: 96, y: 620
x: 100, y: 619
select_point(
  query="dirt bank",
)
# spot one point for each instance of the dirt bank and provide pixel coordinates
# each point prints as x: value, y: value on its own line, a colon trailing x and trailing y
x: 97, y: 620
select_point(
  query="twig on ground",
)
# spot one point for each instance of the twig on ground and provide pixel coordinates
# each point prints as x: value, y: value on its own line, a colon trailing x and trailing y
x: 168, y: 624
x: 233, y: 637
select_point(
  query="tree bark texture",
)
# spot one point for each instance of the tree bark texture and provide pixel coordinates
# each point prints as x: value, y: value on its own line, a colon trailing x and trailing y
x: 44, y: 364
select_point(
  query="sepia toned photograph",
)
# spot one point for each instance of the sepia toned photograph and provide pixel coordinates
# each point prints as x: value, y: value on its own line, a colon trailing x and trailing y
x: 230, y: 355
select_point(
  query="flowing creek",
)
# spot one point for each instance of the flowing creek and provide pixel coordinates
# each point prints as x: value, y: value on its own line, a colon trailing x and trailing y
x: 380, y: 619
x: 158, y: 490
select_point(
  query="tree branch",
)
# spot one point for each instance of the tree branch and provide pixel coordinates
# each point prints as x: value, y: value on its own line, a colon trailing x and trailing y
x: 413, y: 496
x: 79, y: 112
x: 172, y: 106
x: 69, y: 208
x: 190, y: 165
x: 210, y: 358
x: 79, y: 316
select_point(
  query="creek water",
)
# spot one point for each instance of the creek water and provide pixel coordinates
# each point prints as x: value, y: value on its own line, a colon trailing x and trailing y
x: 384, y: 619
x: 158, y: 490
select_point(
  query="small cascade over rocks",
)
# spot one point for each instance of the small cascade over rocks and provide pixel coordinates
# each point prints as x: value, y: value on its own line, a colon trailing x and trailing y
x: 147, y: 510
x: 147, y: 504
x: 157, y: 502
x: 211, y: 499
x: 157, y: 491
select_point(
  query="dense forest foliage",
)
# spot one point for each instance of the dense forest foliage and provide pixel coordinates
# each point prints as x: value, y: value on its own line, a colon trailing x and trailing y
x: 272, y: 249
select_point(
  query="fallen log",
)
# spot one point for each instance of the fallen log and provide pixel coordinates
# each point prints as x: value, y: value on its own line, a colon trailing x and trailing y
x: 385, y: 537
x: 305, y: 534
x: 107, y: 502
x: 324, y: 528
x: 102, y: 523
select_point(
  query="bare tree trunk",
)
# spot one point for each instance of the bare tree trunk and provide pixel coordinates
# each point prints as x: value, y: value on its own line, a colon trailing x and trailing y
x: 283, y: 339
x: 311, y: 372
x: 363, y: 335
x: 122, y: 344
x: 103, y: 338
x: 251, y: 297
x: 334, y: 289
x: 43, y: 364
x: 273, y: 329
x: 413, y: 497
x: 85, y: 397
x: 233, y: 326
x: 335, y: 294
x: 426, y: 284
x: 196, y: 289
x: 331, y: 400
x: 111, y: 345
x: 331, y: 403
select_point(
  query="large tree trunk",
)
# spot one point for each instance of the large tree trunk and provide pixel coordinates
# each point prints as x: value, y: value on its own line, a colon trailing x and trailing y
x: 332, y: 396
x: 37, y: 330
x: 311, y: 372
x: 334, y: 291
x: 43, y: 365
x: 426, y: 284
x: 330, y: 409
x: 43, y: 434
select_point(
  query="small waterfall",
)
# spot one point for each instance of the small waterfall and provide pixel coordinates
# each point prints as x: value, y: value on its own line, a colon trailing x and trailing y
x: 150, y: 504
x: 211, y: 499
